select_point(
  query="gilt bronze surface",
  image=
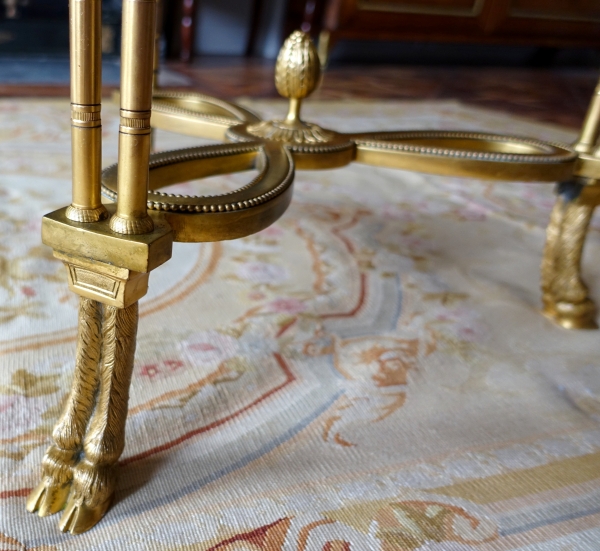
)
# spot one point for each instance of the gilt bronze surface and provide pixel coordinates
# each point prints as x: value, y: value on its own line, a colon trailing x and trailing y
x: 110, y: 250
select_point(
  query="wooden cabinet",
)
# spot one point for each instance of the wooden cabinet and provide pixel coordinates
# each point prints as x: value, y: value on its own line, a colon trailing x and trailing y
x: 559, y: 23
x: 567, y: 10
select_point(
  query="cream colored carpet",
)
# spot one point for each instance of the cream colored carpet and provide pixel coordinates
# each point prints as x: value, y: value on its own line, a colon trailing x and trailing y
x: 371, y: 373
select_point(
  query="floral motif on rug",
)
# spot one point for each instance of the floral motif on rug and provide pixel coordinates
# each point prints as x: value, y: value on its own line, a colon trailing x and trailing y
x: 369, y: 373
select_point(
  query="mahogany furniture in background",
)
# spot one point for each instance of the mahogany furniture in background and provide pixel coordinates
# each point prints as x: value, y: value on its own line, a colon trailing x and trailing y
x: 555, y: 23
x: 552, y: 23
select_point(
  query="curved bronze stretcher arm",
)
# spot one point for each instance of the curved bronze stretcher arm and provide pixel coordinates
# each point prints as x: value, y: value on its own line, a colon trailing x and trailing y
x: 476, y: 155
x: 196, y: 114
x: 238, y: 213
x: 467, y: 154
x: 450, y: 153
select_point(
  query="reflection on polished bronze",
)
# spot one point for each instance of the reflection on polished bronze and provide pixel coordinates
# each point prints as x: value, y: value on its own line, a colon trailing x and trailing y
x: 110, y: 250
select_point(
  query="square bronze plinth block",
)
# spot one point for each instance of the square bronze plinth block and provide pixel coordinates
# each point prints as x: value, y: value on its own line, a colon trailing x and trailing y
x: 95, y: 241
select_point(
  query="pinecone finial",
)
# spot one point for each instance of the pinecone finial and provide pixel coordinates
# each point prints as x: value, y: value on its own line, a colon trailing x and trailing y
x: 297, y: 69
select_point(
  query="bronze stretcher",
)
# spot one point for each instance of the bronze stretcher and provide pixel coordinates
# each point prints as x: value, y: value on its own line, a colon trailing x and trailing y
x: 109, y: 250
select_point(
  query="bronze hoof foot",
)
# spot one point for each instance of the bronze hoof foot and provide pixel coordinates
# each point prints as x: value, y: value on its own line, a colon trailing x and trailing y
x: 570, y: 315
x: 91, y: 496
x: 51, y: 493
x: 79, y: 517
x: 48, y: 497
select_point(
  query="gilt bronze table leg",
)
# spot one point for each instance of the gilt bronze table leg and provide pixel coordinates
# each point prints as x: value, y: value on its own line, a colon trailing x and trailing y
x: 94, y: 477
x: 108, y: 263
x: 79, y: 469
x: 51, y: 494
x: 565, y: 295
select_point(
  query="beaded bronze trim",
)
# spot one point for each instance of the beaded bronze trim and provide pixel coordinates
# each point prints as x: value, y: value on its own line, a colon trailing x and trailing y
x: 550, y: 152
x: 161, y: 104
x: 190, y: 203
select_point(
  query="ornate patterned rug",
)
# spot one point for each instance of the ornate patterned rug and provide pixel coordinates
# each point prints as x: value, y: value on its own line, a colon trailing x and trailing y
x: 371, y: 373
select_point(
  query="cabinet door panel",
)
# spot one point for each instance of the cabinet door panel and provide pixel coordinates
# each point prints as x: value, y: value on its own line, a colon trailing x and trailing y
x: 429, y: 7
x: 555, y: 23
x: 565, y: 10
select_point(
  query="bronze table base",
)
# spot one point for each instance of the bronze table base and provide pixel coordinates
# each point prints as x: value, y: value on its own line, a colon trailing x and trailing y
x: 110, y: 250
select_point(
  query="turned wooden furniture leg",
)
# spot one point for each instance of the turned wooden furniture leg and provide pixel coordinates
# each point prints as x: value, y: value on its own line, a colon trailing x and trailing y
x: 51, y: 494
x: 565, y: 295
x: 188, y: 24
x: 94, y: 477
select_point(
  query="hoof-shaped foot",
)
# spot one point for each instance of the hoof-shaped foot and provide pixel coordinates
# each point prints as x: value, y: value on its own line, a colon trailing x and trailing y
x: 51, y: 494
x: 48, y: 497
x: 91, y: 496
x: 80, y: 517
x: 570, y: 315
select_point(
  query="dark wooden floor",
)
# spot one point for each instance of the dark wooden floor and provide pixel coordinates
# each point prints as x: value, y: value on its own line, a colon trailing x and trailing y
x: 552, y: 95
